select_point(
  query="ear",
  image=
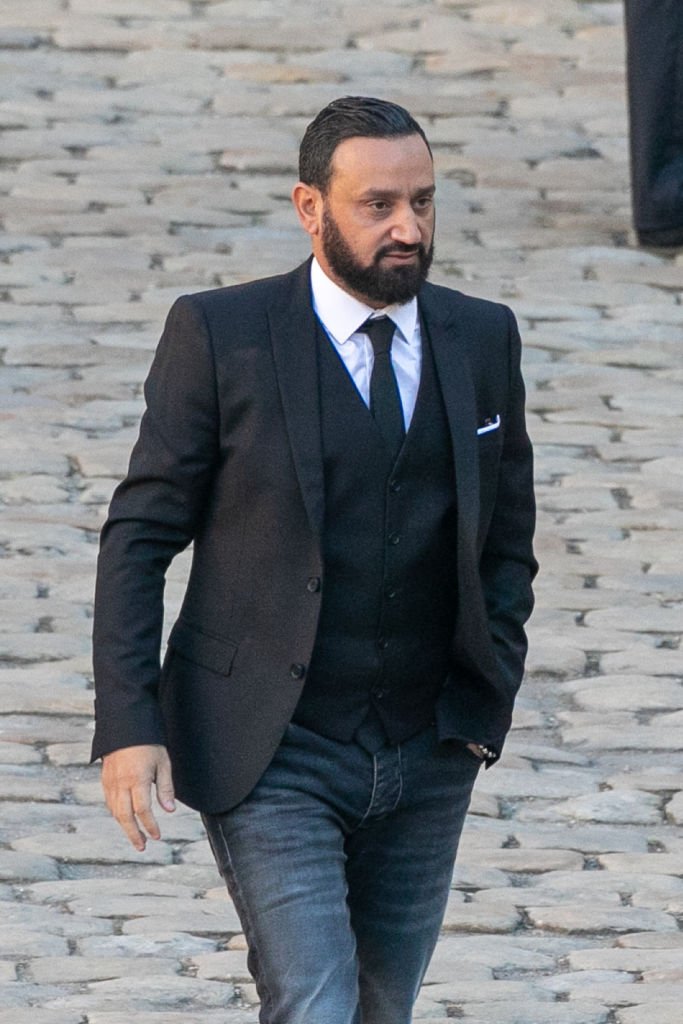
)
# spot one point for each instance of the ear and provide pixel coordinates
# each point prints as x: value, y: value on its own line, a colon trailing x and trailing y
x: 308, y: 203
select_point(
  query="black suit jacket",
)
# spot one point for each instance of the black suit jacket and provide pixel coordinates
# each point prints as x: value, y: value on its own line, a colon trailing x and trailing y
x: 229, y: 457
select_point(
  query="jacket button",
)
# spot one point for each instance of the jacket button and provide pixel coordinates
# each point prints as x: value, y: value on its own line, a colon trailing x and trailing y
x: 297, y: 670
x: 390, y: 593
x: 313, y: 585
x: 394, y: 538
x: 394, y: 486
x: 378, y: 693
x: 382, y: 643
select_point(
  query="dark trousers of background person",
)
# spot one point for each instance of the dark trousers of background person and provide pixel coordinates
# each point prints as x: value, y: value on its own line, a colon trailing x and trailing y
x: 654, y: 37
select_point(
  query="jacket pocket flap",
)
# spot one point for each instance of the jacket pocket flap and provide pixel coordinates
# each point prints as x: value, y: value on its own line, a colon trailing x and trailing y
x: 208, y: 651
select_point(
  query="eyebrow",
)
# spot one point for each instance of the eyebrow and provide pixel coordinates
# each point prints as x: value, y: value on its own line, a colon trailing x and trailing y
x: 388, y: 193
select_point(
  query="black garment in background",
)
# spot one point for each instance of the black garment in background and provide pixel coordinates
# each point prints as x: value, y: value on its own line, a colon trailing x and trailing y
x: 654, y: 36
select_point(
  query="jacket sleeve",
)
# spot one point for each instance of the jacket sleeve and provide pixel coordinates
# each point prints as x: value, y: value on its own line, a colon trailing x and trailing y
x: 153, y: 515
x: 507, y: 564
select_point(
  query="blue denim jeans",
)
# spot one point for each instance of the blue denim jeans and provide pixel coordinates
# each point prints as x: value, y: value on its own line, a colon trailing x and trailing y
x: 339, y: 863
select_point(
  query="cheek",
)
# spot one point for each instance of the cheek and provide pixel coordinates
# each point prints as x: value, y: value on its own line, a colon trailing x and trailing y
x: 427, y: 227
x: 368, y: 242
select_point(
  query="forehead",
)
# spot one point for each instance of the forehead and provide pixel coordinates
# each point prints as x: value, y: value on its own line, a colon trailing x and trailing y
x: 361, y: 163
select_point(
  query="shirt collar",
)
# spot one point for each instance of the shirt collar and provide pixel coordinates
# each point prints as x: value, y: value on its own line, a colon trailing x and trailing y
x: 341, y: 314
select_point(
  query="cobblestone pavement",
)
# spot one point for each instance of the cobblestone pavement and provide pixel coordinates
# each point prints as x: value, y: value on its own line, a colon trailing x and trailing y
x: 147, y: 147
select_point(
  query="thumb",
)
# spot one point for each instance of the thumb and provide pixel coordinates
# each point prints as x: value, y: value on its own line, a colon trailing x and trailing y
x: 164, y: 784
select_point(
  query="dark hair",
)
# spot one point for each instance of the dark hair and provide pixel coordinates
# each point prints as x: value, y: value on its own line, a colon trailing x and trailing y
x: 346, y: 118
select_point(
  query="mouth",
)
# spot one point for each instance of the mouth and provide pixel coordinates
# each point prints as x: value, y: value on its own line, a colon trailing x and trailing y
x: 401, y: 257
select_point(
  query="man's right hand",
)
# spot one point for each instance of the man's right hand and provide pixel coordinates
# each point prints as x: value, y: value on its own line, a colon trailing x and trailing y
x: 127, y: 778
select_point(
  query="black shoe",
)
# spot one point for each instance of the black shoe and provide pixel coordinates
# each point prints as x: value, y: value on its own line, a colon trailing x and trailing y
x: 661, y: 238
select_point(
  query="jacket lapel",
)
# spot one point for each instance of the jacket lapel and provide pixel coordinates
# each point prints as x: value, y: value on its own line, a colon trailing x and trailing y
x: 294, y: 338
x: 445, y: 334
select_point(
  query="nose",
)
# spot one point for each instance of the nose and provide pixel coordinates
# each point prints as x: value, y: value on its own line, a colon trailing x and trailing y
x: 406, y: 227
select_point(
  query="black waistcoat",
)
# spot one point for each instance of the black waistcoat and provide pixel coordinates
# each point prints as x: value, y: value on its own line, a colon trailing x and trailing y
x: 389, y: 584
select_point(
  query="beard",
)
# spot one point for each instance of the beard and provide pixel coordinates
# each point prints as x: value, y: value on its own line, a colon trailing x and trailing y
x: 386, y: 285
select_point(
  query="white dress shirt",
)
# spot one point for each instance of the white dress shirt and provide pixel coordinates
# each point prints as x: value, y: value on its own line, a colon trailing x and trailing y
x: 341, y: 315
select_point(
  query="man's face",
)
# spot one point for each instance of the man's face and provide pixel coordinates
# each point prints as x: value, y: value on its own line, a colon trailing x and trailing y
x: 376, y: 219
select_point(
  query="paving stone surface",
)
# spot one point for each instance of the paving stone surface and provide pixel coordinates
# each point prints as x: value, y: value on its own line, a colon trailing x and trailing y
x: 148, y: 150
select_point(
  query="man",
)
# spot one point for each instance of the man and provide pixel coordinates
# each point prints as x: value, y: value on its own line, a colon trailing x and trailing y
x: 654, y: 34
x: 345, y: 445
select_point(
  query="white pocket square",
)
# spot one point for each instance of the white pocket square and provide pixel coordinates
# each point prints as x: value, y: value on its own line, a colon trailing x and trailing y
x: 489, y: 425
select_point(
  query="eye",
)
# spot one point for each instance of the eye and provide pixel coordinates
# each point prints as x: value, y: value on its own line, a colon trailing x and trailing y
x: 379, y: 205
x: 424, y: 202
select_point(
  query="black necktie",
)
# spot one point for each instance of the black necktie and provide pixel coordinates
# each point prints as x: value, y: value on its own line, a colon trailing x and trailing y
x: 385, y: 399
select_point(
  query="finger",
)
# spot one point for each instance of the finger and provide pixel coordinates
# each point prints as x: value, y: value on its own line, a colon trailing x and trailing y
x: 117, y: 800
x: 142, y: 808
x: 164, y: 784
x: 107, y: 796
x: 110, y: 789
x: 123, y: 812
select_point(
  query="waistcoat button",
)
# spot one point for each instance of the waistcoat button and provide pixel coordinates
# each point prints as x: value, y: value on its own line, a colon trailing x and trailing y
x: 313, y: 585
x: 394, y: 538
x: 297, y: 670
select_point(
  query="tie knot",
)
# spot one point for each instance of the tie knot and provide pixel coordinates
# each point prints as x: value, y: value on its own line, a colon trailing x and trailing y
x: 380, y: 330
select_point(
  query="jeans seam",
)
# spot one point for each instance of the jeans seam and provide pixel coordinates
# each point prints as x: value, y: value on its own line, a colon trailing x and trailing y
x: 400, y: 778
x: 374, y: 789
x: 243, y: 911
x: 372, y: 795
